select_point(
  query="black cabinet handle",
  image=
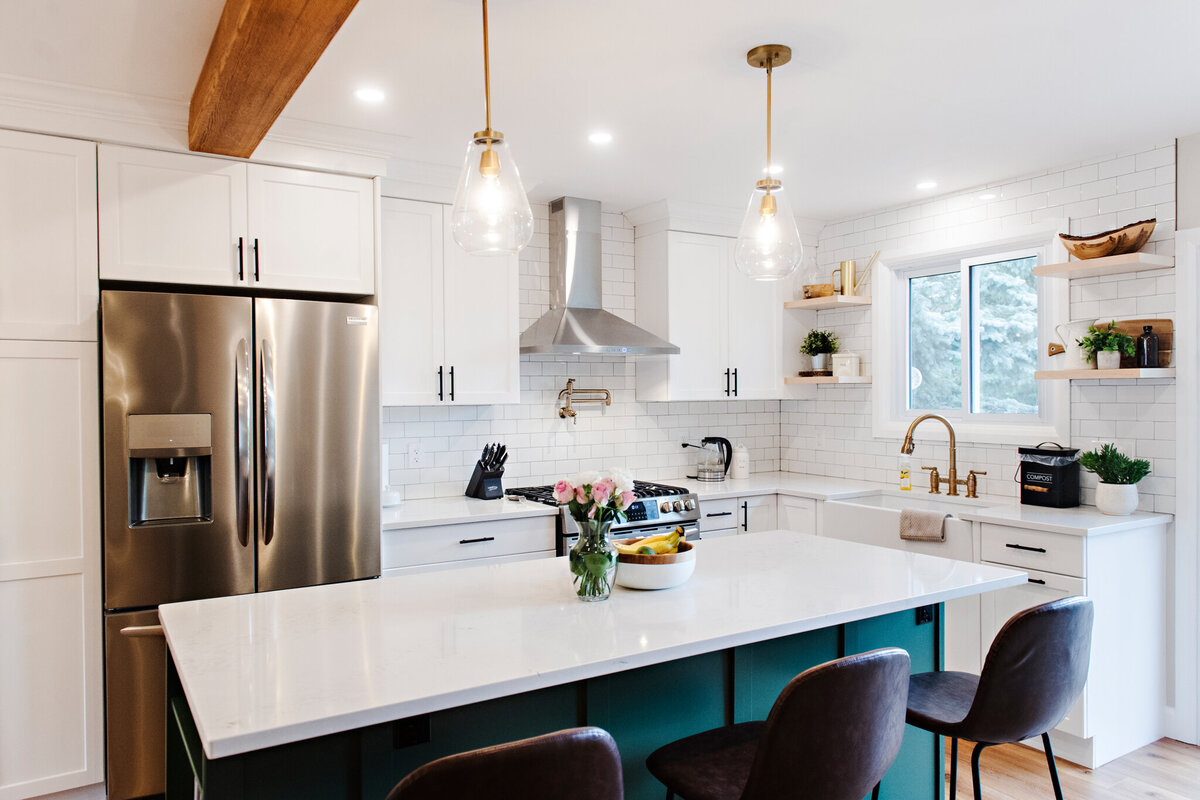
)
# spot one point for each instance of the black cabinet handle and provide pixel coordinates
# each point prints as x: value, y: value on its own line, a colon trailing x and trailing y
x: 241, y: 259
x: 1038, y: 581
x: 735, y: 383
x: 746, y: 516
x: 727, y: 383
x: 256, y: 259
x: 441, y: 394
x: 1027, y: 549
x: 720, y: 514
x: 480, y: 539
x: 452, y: 384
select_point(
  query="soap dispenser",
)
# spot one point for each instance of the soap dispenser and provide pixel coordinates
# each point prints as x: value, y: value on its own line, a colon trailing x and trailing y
x: 905, y: 472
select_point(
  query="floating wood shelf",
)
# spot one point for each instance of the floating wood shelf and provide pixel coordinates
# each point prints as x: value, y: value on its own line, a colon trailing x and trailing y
x: 833, y: 301
x: 821, y: 379
x: 1109, y: 265
x: 1102, y: 374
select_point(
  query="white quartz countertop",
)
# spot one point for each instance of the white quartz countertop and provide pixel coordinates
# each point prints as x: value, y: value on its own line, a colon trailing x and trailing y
x: 817, y: 487
x: 453, y: 510
x: 266, y: 669
x: 1078, y: 521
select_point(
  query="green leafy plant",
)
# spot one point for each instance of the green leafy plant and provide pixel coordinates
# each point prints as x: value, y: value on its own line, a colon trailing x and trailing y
x: 1106, y: 338
x: 1113, y: 466
x: 817, y: 342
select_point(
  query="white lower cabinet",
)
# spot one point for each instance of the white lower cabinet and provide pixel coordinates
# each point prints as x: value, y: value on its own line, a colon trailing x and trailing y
x: 797, y: 514
x: 732, y: 515
x: 51, y: 697
x: 467, y: 544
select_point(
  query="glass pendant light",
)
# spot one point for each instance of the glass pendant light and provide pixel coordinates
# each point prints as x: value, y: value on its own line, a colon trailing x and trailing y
x: 491, y: 213
x: 768, y: 244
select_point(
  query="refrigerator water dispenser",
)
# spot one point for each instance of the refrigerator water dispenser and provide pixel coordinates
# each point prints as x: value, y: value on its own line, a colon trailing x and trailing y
x: 170, y: 468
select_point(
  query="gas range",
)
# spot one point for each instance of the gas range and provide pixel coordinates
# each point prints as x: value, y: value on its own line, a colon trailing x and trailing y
x: 658, y: 507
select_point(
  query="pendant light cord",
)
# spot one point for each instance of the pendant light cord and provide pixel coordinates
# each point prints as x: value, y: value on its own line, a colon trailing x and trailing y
x: 487, y: 78
x: 770, y: 62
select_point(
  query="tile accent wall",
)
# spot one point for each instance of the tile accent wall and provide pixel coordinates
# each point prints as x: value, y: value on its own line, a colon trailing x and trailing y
x: 643, y: 437
x: 832, y: 435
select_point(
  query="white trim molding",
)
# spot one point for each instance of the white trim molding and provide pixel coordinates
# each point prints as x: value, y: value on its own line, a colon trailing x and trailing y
x: 890, y: 422
x: 676, y: 215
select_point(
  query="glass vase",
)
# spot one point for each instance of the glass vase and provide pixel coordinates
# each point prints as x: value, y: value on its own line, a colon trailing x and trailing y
x: 593, y: 561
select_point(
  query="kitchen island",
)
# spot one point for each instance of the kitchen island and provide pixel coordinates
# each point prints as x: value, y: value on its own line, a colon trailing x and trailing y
x: 338, y: 691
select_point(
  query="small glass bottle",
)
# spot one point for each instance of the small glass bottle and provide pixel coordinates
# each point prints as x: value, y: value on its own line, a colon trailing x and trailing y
x: 1147, y: 347
x: 905, y: 473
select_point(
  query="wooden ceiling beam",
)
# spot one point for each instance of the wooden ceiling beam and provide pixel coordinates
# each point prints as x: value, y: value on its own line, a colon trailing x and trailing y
x: 259, y: 56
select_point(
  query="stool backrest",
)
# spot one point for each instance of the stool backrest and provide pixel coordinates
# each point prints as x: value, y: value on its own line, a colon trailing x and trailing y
x: 834, y: 730
x: 579, y: 763
x: 1034, y: 671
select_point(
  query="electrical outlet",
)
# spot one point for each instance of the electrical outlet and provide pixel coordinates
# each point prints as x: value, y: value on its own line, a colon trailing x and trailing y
x: 416, y: 456
x: 924, y: 615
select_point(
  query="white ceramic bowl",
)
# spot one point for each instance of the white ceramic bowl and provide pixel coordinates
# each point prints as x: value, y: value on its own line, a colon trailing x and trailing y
x: 656, y: 572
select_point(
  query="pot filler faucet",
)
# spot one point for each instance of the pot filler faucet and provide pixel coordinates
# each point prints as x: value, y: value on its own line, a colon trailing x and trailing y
x: 935, y: 480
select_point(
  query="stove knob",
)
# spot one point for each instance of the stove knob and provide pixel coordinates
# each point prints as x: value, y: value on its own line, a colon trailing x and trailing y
x: 665, y: 507
x: 690, y: 504
x: 677, y: 506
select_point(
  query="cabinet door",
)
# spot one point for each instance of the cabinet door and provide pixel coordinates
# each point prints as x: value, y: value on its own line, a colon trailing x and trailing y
x: 758, y: 513
x: 483, y: 326
x: 797, y: 514
x: 410, y: 302
x: 698, y: 269
x: 172, y: 218
x: 755, y: 336
x: 51, y: 727
x: 48, y: 283
x: 311, y: 231
x: 996, y: 608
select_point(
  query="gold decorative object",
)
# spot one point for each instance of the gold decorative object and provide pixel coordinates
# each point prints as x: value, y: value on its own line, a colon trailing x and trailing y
x: 1128, y: 239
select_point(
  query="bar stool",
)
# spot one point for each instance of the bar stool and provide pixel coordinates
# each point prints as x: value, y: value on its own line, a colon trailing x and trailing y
x: 831, y: 734
x: 1033, y: 673
x: 579, y: 763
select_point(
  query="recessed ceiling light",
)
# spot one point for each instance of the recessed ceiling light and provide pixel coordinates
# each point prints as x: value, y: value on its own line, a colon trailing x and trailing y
x: 923, y: 185
x: 600, y: 137
x: 988, y: 196
x: 774, y: 169
x: 369, y: 95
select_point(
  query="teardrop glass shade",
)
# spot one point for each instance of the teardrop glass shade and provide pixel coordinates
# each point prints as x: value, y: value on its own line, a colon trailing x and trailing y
x: 491, y: 212
x: 768, y: 245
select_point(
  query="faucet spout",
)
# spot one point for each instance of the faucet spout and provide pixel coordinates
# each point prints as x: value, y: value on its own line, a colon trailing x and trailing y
x: 908, y: 446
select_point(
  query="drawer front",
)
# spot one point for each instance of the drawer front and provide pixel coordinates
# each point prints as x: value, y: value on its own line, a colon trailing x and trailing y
x: 1048, y: 552
x: 441, y: 543
x: 717, y: 515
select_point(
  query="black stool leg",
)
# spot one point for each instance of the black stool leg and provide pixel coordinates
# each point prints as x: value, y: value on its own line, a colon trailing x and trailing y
x: 975, y: 769
x: 953, y: 768
x: 1053, y: 768
x: 875, y: 792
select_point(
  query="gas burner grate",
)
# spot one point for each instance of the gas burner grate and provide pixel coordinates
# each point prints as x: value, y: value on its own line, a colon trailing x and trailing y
x: 641, y: 489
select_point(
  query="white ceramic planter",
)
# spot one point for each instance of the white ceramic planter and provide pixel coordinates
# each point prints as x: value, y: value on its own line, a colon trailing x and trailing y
x: 1116, y: 499
x: 820, y: 362
x: 1108, y: 359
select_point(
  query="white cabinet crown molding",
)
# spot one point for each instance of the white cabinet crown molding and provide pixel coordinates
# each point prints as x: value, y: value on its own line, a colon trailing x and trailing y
x: 678, y: 215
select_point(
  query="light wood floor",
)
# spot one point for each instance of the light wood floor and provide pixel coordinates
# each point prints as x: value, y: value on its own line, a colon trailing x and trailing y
x: 1165, y: 770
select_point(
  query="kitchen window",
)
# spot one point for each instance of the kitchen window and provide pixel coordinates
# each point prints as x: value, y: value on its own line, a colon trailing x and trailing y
x: 961, y: 335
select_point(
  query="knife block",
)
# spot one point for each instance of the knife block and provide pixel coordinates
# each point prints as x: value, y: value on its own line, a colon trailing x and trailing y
x: 485, y: 483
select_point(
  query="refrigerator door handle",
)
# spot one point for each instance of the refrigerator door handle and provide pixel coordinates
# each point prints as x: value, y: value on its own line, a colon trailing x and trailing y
x: 142, y: 630
x: 268, y: 440
x: 243, y: 436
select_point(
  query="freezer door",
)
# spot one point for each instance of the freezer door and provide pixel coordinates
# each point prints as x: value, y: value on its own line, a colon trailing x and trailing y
x: 136, y: 677
x: 178, y: 444
x: 318, y: 442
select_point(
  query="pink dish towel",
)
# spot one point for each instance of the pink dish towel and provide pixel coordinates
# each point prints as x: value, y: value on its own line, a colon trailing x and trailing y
x: 923, y: 526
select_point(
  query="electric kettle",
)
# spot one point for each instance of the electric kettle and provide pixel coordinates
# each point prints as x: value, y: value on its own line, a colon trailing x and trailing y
x: 715, y: 456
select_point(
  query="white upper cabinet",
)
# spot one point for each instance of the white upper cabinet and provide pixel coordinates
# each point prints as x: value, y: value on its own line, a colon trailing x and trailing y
x: 727, y: 327
x: 48, y: 286
x: 186, y: 219
x: 449, y: 322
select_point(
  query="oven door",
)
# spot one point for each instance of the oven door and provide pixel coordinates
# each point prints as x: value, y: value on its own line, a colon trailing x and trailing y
x: 568, y: 532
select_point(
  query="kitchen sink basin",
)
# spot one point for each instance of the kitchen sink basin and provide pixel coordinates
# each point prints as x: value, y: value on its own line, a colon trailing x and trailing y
x: 918, y: 499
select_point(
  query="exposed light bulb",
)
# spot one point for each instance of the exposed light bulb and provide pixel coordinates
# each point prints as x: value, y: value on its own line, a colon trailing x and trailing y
x: 600, y: 137
x: 774, y: 169
x: 491, y: 211
x: 768, y: 245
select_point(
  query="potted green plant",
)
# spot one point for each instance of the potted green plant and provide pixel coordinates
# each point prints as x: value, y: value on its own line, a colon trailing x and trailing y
x: 1116, y: 494
x: 819, y: 345
x: 1106, y: 345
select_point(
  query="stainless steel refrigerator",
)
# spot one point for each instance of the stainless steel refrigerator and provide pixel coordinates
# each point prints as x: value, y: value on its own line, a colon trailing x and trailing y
x: 241, y: 454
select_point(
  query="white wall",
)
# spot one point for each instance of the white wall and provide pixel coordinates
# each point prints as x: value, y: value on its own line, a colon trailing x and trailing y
x: 832, y: 435
x: 643, y: 437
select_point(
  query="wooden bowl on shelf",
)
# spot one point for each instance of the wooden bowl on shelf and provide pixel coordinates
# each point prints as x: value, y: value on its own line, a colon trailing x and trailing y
x: 1128, y: 239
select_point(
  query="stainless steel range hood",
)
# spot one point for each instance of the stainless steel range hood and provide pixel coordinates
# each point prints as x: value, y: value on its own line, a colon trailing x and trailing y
x: 576, y: 323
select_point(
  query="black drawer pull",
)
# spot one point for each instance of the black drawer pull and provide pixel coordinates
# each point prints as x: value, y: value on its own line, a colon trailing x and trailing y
x: 1038, y: 581
x: 720, y: 514
x: 480, y: 539
x: 1029, y: 549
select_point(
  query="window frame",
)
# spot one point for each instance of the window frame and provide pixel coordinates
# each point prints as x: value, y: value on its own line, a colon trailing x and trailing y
x: 890, y: 340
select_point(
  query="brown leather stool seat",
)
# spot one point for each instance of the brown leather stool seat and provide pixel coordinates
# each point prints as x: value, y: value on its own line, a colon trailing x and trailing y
x: 831, y: 735
x: 1033, y: 673
x: 578, y: 763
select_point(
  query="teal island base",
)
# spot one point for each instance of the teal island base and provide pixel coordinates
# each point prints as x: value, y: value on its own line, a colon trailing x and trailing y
x: 642, y: 708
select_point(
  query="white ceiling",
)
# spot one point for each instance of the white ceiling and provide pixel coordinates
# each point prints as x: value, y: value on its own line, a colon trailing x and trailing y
x: 878, y: 95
